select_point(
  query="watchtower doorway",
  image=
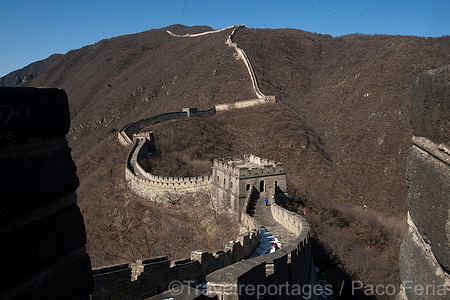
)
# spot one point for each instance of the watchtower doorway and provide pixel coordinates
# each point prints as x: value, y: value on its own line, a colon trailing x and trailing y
x: 261, y: 186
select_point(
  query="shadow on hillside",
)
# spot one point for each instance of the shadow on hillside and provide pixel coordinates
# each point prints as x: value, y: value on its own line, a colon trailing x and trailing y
x: 329, y: 272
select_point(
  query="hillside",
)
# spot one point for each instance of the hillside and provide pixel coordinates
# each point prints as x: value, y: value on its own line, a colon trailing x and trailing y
x: 29, y: 72
x: 341, y: 126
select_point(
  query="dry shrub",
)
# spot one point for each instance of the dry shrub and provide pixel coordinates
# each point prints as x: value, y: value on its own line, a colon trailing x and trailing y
x: 363, y: 242
x: 138, y: 231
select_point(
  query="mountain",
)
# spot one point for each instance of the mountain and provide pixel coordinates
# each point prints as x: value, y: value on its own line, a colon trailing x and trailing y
x: 341, y: 126
x: 29, y: 72
x: 183, y: 29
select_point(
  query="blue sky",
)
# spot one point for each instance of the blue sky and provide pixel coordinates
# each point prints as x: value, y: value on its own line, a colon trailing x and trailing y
x: 33, y: 30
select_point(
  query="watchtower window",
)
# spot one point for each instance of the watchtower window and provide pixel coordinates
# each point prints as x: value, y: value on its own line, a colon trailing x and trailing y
x: 261, y: 186
x: 247, y: 187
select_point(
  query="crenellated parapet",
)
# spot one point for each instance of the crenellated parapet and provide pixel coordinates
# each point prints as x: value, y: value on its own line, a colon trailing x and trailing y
x: 248, y: 166
x: 153, y: 187
x: 233, y: 177
x: 148, y: 277
x: 229, y: 183
x: 126, y: 133
x: 290, y: 268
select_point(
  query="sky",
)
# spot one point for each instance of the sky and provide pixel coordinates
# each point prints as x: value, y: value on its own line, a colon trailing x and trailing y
x: 32, y: 30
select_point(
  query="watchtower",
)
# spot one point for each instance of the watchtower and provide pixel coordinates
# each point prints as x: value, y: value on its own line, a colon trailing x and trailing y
x: 233, y: 177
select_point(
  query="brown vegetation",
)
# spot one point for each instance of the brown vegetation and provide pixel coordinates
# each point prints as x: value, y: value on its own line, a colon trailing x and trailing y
x: 341, y: 126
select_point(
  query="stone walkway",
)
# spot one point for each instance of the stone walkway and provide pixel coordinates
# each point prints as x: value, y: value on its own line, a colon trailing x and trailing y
x: 263, y: 215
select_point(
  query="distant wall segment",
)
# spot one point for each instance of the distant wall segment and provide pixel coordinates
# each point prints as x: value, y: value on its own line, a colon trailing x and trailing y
x: 126, y: 133
x: 247, y: 63
x: 200, y: 34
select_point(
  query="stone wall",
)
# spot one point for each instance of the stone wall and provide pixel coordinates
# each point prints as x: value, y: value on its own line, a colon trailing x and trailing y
x: 244, y: 57
x: 245, y: 103
x: 149, y: 277
x: 232, y: 178
x: 157, y: 188
x: 425, y: 250
x: 41, y: 227
x: 201, y: 33
x: 125, y: 134
x: 291, y: 265
x: 262, y: 99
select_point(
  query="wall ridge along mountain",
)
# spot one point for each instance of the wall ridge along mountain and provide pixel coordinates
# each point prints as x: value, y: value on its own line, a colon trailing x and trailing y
x: 126, y: 133
x: 241, y: 53
x: 234, y: 184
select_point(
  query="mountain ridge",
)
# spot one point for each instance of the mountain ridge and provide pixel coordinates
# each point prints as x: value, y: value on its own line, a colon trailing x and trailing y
x: 30, y: 71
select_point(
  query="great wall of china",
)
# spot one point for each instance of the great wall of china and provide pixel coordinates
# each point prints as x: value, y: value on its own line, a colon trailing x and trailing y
x: 233, y: 185
x: 44, y: 230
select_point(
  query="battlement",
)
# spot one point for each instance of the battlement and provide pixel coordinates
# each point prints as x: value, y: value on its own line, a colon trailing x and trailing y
x: 248, y: 166
x: 148, y: 277
x: 228, y: 184
x: 290, y: 264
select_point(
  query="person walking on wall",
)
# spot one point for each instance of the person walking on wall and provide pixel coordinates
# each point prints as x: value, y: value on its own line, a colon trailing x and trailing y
x: 275, y: 246
x: 267, y: 202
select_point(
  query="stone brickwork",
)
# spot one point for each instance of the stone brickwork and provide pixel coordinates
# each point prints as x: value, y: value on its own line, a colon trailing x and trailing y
x: 228, y: 185
x: 149, y: 277
x: 232, y: 178
x: 245, y: 59
x: 291, y: 266
x: 126, y: 133
x: 41, y: 228
x: 425, y: 250
x: 157, y: 188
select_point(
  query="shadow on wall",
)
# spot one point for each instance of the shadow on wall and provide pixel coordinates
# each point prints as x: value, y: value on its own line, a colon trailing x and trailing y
x: 41, y: 227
